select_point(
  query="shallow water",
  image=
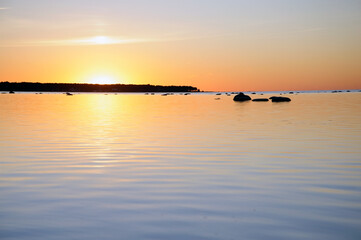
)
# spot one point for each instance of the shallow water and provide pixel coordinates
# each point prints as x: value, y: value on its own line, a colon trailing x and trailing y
x: 132, y: 166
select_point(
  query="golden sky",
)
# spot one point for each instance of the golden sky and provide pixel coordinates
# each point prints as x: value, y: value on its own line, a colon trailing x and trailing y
x: 228, y: 45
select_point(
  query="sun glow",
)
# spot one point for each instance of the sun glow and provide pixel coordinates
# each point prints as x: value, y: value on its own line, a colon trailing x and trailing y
x: 103, y: 80
x: 101, y: 40
x: 97, y: 40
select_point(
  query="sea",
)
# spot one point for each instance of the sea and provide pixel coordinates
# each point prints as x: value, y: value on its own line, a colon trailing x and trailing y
x: 180, y: 167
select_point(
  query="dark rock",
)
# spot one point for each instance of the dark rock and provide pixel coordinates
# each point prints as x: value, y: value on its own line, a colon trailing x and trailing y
x: 260, y: 100
x: 69, y: 94
x: 290, y: 92
x: 11, y: 92
x: 241, y: 97
x: 280, y: 99
x: 253, y: 93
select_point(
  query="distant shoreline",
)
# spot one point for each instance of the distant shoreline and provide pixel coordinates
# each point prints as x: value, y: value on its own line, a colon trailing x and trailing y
x: 134, y: 88
x: 87, y: 87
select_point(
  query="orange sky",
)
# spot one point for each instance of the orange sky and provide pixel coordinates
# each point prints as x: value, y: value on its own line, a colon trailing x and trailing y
x: 212, y: 45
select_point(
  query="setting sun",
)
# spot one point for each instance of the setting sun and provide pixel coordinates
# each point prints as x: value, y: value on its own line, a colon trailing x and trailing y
x: 103, y: 79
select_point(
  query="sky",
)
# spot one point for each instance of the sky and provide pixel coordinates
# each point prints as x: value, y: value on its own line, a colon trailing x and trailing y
x: 215, y: 45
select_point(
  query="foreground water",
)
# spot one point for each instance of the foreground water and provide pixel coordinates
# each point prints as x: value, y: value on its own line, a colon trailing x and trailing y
x: 132, y: 166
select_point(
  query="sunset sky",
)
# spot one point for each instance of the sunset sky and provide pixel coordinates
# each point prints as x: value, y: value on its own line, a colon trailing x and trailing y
x: 228, y: 45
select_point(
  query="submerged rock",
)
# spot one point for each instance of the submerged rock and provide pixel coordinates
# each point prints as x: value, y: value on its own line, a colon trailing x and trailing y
x: 260, y: 100
x: 241, y: 97
x: 280, y: 99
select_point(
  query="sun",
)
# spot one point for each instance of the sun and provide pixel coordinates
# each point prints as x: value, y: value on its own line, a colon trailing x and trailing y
x: 103, y: 79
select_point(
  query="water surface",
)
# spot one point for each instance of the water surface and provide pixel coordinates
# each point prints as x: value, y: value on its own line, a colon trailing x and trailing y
x: 132, y: 166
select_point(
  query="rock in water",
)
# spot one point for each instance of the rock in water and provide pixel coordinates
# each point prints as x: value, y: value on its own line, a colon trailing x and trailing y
x: 280, y: 99
x: 260, y: 100
x: 241, y: 97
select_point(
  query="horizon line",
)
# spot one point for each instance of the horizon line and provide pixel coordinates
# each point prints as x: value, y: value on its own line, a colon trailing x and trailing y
x: 148, y: 84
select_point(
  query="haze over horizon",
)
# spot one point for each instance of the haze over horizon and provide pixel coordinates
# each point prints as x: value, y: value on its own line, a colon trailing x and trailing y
x: 212, y: 45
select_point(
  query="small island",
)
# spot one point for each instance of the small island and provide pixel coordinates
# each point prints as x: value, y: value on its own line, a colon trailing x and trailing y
x: 86, y: 87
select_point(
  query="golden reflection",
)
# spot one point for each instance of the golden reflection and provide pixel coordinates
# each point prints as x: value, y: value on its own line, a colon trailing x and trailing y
x: 105, y: 124
x: 100, y: 104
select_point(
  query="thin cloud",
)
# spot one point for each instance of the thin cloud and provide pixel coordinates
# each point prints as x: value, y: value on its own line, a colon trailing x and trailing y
x: 110, y: 40
x: 97, y: 40
x: 4, y: 8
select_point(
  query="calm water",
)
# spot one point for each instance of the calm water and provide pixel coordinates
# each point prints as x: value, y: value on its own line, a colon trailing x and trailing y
x: 131, y: 166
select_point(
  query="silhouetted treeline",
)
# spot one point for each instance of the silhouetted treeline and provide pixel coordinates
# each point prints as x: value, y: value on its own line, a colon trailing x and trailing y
x: 84, y: 87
